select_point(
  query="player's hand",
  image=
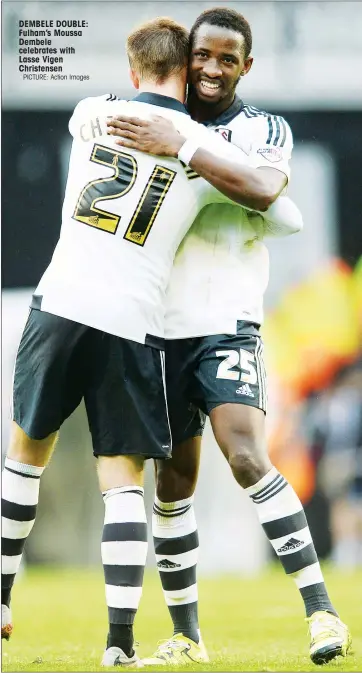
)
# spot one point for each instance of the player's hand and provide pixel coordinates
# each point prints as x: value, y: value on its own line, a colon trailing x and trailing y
x: 156, y: 136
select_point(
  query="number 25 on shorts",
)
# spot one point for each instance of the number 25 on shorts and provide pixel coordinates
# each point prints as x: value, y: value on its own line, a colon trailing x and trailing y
x: 242, y: 359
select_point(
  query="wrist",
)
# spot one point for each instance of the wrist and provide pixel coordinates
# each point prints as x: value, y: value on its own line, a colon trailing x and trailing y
x: 187, y: 151
x: 177, y: 144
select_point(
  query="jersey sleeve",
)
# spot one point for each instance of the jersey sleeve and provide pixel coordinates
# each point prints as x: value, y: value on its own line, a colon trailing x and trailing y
x: 272, y: 143
x: 282, y: 218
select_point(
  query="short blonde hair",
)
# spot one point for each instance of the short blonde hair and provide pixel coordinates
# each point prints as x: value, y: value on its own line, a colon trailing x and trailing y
x: 158, y: 49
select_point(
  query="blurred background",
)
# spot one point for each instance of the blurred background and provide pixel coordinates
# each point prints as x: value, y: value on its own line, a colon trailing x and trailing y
x: 308, y: 64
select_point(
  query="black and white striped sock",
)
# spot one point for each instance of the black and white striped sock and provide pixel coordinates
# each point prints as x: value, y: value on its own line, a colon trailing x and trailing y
x: 282, y: 516
x: 124, y: 551
x: 176, y: 544
x: 20, y: 495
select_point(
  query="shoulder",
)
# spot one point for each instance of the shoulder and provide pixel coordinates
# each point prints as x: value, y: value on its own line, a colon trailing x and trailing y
x: 92, y: 106
x: 250, y: 112
x: 269, y: 128
x: 95, y: 101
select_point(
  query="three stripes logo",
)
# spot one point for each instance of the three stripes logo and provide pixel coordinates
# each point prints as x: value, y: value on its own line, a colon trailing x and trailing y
x: 165, y: 563
x: 177, y: 511
x: 245, y: 390
x: 277, y: 128
x: 191, y: 175
x: 275, y: 486
x: 292, y: 543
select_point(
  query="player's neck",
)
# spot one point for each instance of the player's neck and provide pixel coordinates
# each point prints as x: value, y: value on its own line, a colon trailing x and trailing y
x: 172, y: 88
x: 204, y: 112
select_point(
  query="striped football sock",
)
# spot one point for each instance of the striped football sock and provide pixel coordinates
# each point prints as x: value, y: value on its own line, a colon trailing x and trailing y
x: 124, y: 551
x: 20, y: 495
x: 176, y: 544
x: 282, y: 516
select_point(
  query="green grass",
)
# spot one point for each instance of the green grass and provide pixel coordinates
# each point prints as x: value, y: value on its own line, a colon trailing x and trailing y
x: 248, y: 625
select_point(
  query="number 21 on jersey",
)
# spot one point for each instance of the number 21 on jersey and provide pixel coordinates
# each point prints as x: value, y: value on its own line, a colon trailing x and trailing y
x: 117, y: 185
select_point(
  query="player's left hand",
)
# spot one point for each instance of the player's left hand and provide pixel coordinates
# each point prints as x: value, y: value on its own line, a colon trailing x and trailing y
x: 156, y: 136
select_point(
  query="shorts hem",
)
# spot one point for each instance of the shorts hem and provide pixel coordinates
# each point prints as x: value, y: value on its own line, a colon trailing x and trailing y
x: 212, y: 405
x: 147, y: 456
x: 186, y: 436
x: 31, y: 434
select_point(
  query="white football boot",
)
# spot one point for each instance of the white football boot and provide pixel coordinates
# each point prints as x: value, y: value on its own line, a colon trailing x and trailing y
x: 6, y: 622
x: 114, y: 656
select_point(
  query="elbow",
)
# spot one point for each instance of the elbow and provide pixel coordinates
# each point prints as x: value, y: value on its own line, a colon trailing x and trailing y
x: 264, y: 201
x: 266, y: 197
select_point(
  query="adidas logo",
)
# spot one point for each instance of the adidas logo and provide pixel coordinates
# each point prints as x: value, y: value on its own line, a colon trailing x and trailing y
x: 165, y: 563
x: 293, y: 543
x: 244, y: 390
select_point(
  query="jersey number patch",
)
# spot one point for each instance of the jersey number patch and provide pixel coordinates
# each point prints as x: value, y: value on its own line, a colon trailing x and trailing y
x: 241, y: 359
x: 114, y: 187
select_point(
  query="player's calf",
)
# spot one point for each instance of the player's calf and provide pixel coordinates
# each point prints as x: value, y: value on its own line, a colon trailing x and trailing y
x: 282, y: 516
x: 124, y: 551
x: 23, y: 468
x: 175, y: 533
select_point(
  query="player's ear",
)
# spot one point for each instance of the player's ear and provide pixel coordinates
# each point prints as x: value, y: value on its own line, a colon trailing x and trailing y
x: 248, y: 62
x: 134, y: 79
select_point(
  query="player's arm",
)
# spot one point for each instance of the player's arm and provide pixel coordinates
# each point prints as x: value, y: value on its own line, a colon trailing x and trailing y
x: 255, y: 189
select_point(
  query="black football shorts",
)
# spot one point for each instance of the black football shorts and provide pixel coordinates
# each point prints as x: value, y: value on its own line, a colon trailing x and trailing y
x: 59, y: 362
x: 205, y: 372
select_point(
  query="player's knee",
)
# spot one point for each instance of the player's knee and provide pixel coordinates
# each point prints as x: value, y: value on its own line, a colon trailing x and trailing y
x: 244, y: 467
x: 248, y: 460
x: 120, y: 471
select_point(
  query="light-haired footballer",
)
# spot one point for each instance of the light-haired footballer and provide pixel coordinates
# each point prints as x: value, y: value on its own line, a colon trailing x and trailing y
x: 96, y: 325
x: 214, y: 352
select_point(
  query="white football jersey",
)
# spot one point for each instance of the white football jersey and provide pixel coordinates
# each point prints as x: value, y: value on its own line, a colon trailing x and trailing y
x: 221, y: 269
x: 124, y: 216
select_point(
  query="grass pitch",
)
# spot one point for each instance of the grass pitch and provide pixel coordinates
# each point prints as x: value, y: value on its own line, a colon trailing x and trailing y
x: 248, y: 625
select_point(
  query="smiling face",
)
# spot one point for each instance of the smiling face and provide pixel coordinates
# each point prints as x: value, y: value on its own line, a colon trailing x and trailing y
x: 216, y: 64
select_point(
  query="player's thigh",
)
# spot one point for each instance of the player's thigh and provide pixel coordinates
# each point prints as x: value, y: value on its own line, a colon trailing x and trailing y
x: 186, y: 418
x: 48, y: 375
x: 240, y: 432
x: 125, y: 399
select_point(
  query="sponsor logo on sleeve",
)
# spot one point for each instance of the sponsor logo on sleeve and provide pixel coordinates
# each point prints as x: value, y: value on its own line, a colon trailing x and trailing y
x: 272, y: 154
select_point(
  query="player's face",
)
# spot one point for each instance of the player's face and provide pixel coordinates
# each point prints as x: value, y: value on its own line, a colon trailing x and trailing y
x: 216, y: 64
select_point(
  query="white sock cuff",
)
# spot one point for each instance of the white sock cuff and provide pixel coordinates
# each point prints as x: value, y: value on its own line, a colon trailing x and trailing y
x: 23, y: 468
x: 171, y: 506
x: 264, y: 481
x: 139, y: 490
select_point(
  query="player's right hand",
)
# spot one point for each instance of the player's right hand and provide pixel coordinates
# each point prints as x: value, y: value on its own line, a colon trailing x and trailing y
x: 156, y: 136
